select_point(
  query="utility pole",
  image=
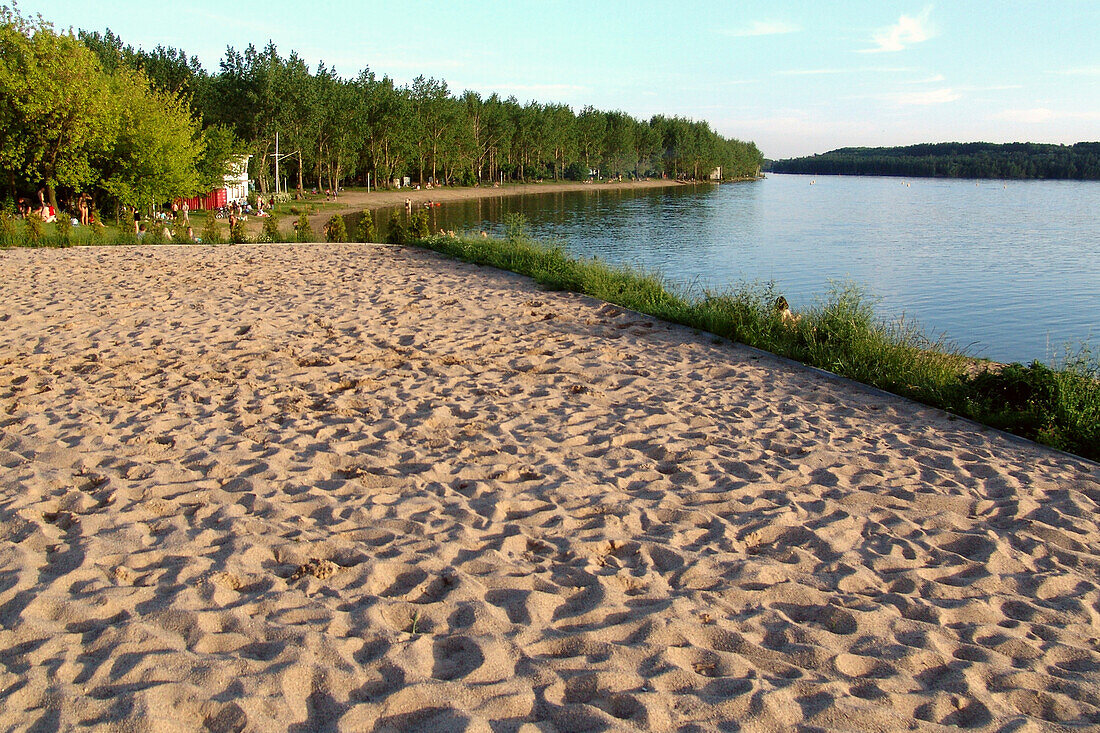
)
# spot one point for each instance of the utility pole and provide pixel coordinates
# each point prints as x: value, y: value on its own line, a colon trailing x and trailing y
x: 276, y: 162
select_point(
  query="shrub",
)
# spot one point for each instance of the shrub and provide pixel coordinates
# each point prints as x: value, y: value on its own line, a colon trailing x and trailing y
x: 335, y: 229
x: 236, y: 232
x: 270, y: 231
x: 1058, y: 407
x: 516, y: 228
x: 64, y: 229
x: 365, y: 231
x: 211, y: 231
x: 302, y: 230
x: 99, y: 233
x: 9, y: 229
x: 399, y: 233
x: 32, y: 228
x: 576, y: 172
x: 420, y: 225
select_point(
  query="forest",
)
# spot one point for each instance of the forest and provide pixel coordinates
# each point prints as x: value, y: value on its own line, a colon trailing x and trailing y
x: 87, y: 113
x: 954, y: 160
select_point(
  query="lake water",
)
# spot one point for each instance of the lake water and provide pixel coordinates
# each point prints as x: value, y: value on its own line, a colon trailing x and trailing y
x: 1007, y: 270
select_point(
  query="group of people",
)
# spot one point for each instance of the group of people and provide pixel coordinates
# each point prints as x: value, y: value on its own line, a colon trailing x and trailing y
x: 44, y: 210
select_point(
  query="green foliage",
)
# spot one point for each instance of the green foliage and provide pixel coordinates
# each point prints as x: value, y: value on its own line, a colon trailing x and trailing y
x: 419, y: 225
x: 270, y: 231
x: 9, y: 229
x: 516, y: 228
x: 399, y: 231
x: 335, y: 229
x: 365, y: 231
x: 1059, y: 407
x: 76, y: 120
x: 156, y: 146
x: 302, y: 230
x: 211, y: 230
x: 99, y: 233
x: 32, y: 229
x: 955, y: 160
x: 576, y: 171
x: 368, y: 125
x: 64, y: 229
x: 220, y: 148
x: 236, y: 232
x: 154, y: 234
x: 58, y: 115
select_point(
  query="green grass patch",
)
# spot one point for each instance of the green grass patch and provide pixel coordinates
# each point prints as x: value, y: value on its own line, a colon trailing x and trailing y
x: 1058, y: 406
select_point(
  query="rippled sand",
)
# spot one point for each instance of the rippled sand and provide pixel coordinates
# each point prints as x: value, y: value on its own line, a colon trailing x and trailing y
x: 360, y: 488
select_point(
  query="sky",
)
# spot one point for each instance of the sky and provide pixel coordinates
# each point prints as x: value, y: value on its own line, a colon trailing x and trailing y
x: 795, y: 77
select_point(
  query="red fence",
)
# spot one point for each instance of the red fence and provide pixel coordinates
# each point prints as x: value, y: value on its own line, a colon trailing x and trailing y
x: 213, y: 200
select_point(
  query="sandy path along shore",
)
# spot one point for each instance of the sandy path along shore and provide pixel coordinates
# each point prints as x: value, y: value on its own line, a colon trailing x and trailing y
x: 355, y: 201
x: 362, y: 488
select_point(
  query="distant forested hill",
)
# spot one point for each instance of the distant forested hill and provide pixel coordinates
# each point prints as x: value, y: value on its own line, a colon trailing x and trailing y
x: 954, y: 160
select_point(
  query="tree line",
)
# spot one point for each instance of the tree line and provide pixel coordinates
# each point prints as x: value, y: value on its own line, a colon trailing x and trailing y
x: 137, y: 128
x: 1080, y: 161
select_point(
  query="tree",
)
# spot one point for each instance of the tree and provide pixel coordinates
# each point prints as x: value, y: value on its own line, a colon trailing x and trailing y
x: 431, y: 105
x: 55, y: 109
x: 220, y: 147
x: 153, y: 156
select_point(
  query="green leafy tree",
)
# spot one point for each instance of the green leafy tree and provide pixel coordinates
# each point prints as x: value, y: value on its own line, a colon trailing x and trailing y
x: 365, y: 231
x: 419, y: 225
x: 237, y: 234
x: 399, y: 233
x: 153, y: 156
x: 64, y: 229
x: 270, y: 230
x: 220, y: 148
x: 302, y: 230
x: 56, y: 110
x: 32, y: 228
x: 211, y: 231
x: 335, y: 229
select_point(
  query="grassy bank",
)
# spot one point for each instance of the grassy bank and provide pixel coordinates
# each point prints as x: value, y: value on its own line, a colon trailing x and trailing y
x: 1058, y: 406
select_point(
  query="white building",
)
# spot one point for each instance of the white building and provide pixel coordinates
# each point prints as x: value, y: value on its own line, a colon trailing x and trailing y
x: 236, y: 180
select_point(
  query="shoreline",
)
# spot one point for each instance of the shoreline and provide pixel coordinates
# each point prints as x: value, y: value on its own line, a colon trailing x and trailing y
x: 375, y: 488
x: 355, y: 201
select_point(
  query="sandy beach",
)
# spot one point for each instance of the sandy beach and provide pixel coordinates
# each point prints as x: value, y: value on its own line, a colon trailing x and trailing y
x: 355, y: 488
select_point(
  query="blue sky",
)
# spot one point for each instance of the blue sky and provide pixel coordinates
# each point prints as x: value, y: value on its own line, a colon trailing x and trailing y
x: 796, y: 77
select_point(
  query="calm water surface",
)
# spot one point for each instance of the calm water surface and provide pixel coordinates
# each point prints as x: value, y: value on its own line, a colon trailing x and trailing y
x: 1008, y: 270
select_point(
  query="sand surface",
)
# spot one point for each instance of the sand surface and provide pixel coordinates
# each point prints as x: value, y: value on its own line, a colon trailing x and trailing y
x: 350, y: 487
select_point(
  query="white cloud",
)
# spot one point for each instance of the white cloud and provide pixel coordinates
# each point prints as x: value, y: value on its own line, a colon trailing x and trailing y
x: 1080, y: 71
x: 1038, y: 115
x: 935, y: 79
x: 863, y: 70
x: 763, y: 28
x: 907, y: 31
x: 1027, y: 116
x: 924, y: 99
